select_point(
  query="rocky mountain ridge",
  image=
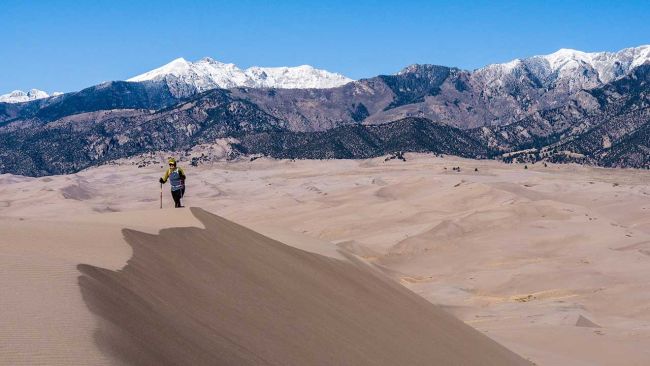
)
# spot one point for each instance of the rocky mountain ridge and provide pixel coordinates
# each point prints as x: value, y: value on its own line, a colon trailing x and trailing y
x: 514, y: 116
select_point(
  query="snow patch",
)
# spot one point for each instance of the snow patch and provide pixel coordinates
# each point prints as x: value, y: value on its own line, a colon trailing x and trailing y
x: 607, y: 142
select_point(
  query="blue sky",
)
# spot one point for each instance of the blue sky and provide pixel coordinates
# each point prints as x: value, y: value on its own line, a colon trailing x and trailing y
x: 60, y: 45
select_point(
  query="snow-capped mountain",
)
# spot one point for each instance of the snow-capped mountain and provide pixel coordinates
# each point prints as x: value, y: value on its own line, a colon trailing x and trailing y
x: 607, y: 65
x: 185, y: 77
x: 569, y: 68
x: 19, y: 96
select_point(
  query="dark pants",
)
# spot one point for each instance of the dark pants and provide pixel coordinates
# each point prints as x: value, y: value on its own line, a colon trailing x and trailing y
x: 177, y: 195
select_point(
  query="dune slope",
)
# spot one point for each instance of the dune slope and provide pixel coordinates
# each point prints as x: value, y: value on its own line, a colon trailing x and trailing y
x: 228, y: 295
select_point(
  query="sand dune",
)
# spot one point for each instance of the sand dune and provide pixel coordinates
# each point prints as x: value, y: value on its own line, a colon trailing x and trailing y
x: 83, y: 290
x: 520, y: 254
x: 226, y: 295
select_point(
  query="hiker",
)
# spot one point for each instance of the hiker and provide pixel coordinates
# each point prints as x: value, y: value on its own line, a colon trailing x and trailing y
x: 176, y: 177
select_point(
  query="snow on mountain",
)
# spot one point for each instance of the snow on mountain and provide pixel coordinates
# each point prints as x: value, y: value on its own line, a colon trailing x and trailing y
x: 208, y: 74
x: 299, y: 77
x: 19, y: 96
x: 572, y: 68
x: 608, y: 65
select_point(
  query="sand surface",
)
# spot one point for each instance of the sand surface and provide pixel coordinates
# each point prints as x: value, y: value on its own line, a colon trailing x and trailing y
x: 551, y: 262
x: 43, y: 318
x: 226, y: 295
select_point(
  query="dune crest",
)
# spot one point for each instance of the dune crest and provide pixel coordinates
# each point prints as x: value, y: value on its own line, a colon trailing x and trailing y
x: 228, y: 295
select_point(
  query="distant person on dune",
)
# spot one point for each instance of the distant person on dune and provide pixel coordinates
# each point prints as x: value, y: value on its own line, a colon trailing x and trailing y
x: 176, y: 177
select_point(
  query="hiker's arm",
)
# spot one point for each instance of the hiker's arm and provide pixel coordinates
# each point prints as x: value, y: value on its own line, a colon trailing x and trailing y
x: 164, y: 177
x: 181, y: 173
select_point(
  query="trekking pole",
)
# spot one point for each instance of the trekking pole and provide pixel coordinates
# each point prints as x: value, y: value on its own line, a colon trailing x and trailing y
x: 183, y: 193
x: 161, y: 195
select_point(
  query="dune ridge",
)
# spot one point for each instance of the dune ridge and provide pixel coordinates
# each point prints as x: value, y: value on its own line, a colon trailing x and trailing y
x: 228, y: 295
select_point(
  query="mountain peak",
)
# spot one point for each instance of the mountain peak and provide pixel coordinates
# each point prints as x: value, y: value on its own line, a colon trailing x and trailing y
x: 179, y: 60
x: 607, y: 66
x: 567, y: 52
x: 571, y: 67
x: 421, y: 68
x: 19, y: 96
x: 563, y: 56
x: 176, y: 63
x: 208, y: 73
x: 175, y: 67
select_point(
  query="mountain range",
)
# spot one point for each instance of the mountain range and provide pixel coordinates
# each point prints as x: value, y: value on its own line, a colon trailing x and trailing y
x: 569, y: 106
x: 19, y: 96
x: 187, y: 78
